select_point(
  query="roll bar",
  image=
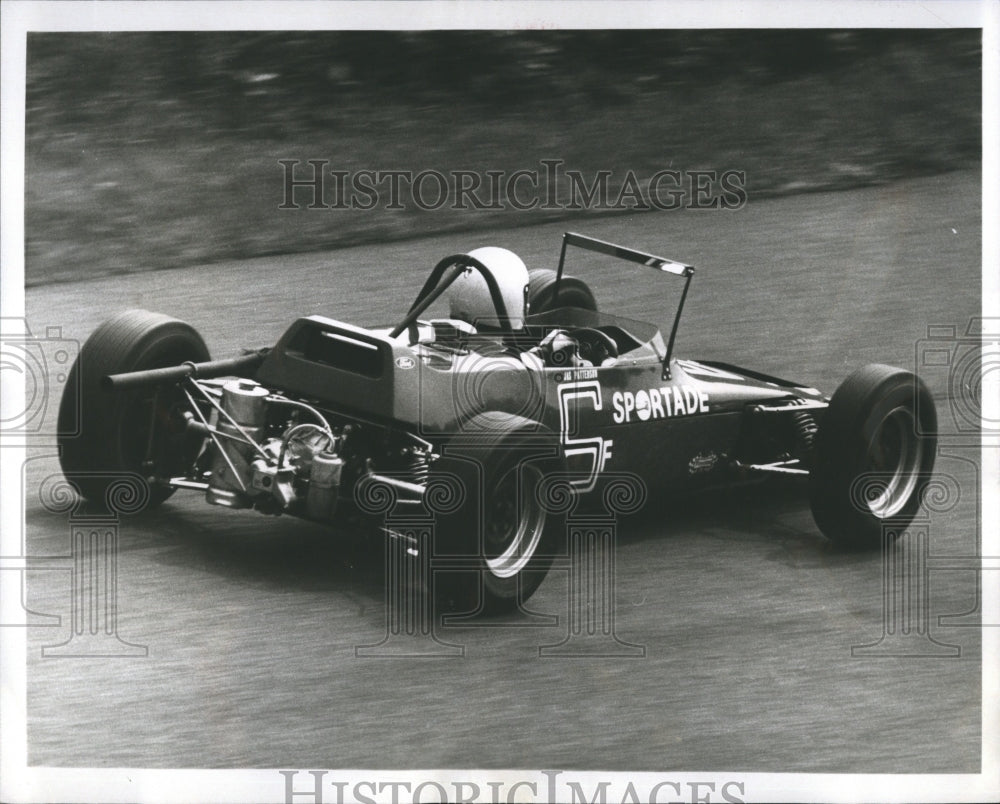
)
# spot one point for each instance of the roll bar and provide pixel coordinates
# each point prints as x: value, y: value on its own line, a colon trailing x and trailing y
x: 435, y: 286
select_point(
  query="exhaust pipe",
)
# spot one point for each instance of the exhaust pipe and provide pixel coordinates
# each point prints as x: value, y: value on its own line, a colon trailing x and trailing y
x: 175, y: 374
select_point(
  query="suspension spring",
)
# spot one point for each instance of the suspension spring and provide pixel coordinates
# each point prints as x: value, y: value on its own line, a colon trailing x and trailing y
x: 805, y: 433
x: 417, y: 467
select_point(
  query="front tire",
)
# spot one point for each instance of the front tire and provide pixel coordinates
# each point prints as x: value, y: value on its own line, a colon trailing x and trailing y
x: 117, y: 429
x: 873, y: 456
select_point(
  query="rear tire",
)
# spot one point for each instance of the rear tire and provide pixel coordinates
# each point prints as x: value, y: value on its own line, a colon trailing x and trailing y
x: 873, y: 455
x: 502, y: 530
x: 115, y: 427
x: 573, y: 292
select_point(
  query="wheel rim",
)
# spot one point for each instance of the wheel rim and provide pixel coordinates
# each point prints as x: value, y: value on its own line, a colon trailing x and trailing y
x: 515, y: 521
x: 895, y: 453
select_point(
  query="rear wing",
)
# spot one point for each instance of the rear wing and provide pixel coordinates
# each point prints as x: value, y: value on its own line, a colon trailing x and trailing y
x: 630, y: 255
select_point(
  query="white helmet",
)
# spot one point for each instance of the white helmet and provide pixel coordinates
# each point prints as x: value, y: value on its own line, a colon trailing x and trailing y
x: 470, y: 297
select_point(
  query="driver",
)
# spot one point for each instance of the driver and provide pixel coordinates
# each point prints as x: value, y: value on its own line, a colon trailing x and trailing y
x: 470, y: 302
x: 469, y: 296
x: 565, y: 349
x: 559, y: 349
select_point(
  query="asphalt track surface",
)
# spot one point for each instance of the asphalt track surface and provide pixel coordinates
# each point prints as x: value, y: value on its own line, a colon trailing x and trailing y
x: 746, y: 615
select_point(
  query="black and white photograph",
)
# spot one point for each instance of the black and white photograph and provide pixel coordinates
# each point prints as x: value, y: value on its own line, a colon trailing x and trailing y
x: 499, y: 402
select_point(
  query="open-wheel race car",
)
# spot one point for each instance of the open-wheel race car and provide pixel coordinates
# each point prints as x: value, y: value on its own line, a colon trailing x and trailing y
x: 523, y: 394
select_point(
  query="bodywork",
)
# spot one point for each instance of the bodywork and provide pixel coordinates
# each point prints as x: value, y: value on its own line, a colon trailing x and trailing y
x: 385, y: 403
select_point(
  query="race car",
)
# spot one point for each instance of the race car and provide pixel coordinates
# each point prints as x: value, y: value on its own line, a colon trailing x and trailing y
x: 494, y: 420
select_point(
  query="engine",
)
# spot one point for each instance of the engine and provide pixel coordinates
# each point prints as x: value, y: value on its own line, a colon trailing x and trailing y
x: 276, y: 454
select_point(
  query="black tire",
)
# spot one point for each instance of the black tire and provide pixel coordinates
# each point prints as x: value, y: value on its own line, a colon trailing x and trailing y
x: 873, y: 456
x: 573, y: 292
x: 114, y: 426
x: 501, y: 532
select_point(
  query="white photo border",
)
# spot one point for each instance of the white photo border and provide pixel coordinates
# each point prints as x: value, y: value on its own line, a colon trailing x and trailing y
x: 21, y: 782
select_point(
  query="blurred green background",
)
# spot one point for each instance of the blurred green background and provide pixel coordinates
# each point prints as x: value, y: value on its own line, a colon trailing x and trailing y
x: 153, y: 150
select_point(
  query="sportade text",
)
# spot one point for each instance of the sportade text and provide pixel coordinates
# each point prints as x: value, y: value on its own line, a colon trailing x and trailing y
x: 658, y: 403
